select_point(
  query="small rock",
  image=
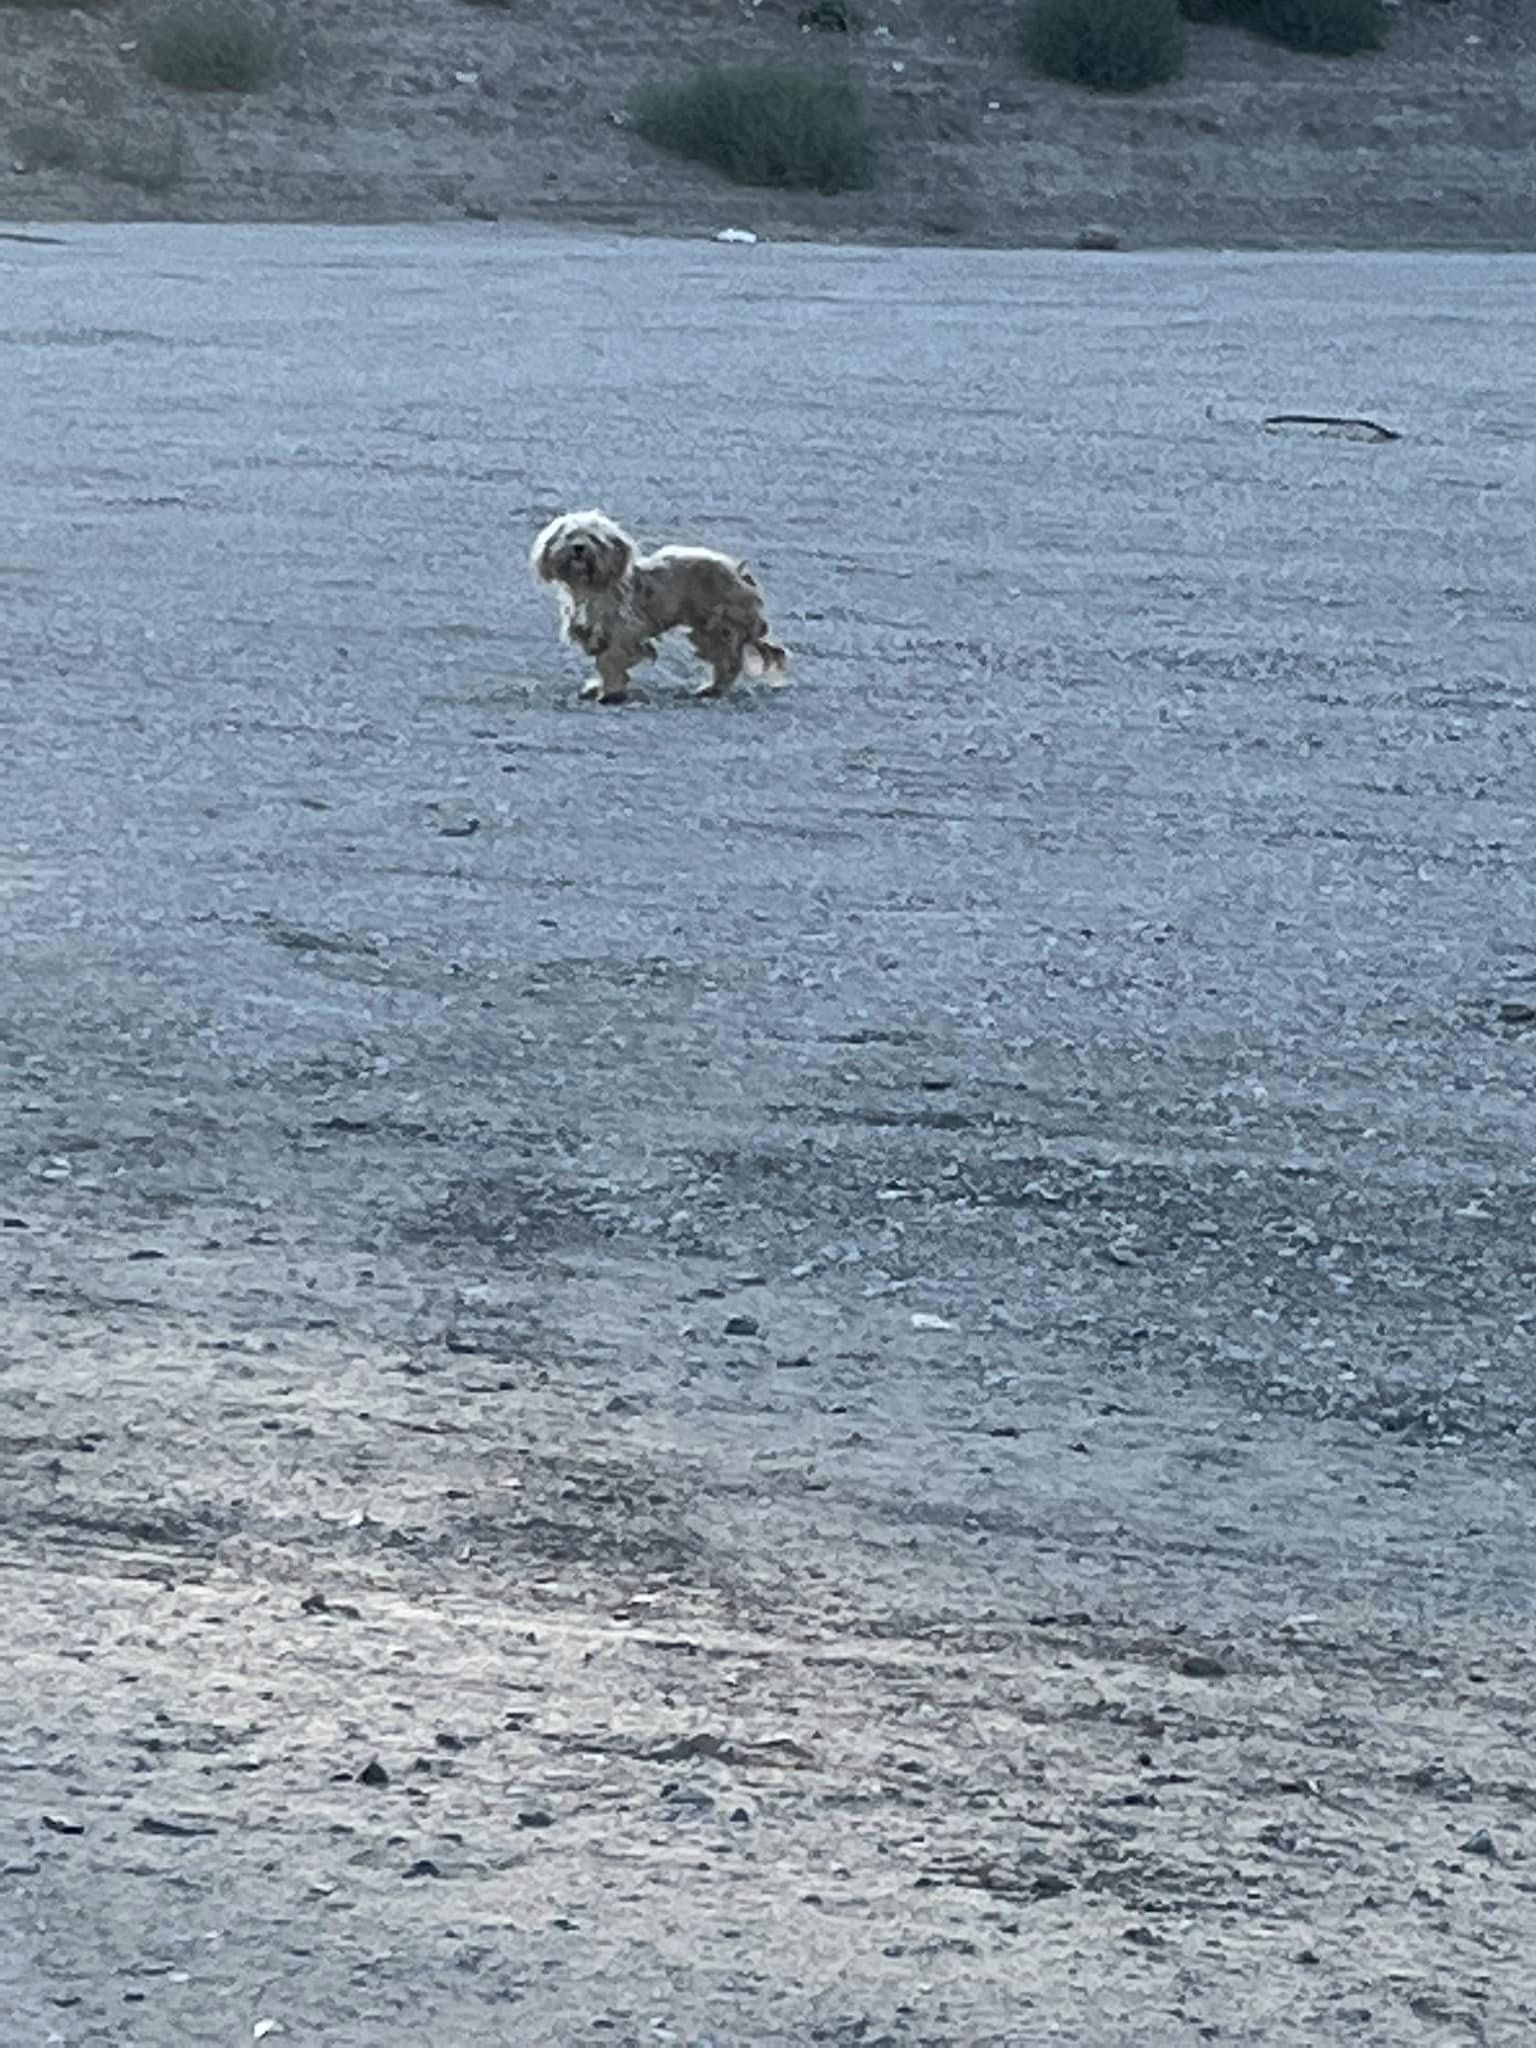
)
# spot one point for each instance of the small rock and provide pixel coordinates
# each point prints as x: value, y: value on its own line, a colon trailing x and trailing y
x: 922, y: 1320
x: 1479, y: 1844
x: 373, y: 1774
x: 1517, y: 1013
x: 424, y: 1867
x: 535, y: 1817
x: 744, y: 236
x: 743, y: 1326
x: 1144, y: 1937
x: 1096, y: 238
x: 316, y: 1603
x: 1198, y: 1665
x: 62, y: 1827
x: 146, y: 1251
x: 688, y: 1795
x: 1307, y: 1955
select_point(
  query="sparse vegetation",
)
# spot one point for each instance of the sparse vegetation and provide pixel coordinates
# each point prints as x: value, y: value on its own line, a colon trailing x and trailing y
x: 1331, y: 28
x: 203, y: 46
x: 150, y: 164
x: 44, y: 145
x: 1106, y: 45
x: 789, y: 129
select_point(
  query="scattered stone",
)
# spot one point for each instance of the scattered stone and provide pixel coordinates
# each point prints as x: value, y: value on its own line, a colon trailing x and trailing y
x: 1479, y: 1844
x: 373, y: 1774
x: 424, y: 1867
x: 1198, y: 1665
x: 801, y: 1362
x: 146, y: 1251
x: 922, y: 1320
x: 1096, y: 238
x: 1446, y: 1781
x: 535, y: 1817
x: 149, y: 1825
x: 316, y: 1603
x: 688, y: 1795
x: 1307, y: 1955
x: 782, y: 1750
x: 62, y: 1827
x: 1517, y: 1013
x: 1144, y: 1937
x: 743, y: 236
x: 743, y: 1326
x: 445, y: 1739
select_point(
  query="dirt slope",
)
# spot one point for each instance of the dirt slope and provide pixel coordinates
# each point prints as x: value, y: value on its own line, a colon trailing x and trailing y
x: 428, y: 109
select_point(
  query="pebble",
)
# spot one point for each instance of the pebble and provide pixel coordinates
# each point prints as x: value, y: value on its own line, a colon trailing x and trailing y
x: 373, y: 1774
x: 1094, y: 237
x: 1198, y: 1665
x: 743, y: 1326
x: 1479, y: 1844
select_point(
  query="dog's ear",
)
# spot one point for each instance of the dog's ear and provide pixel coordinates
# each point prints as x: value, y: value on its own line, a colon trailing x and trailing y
x: 542, y: 556
x: 616, y: 551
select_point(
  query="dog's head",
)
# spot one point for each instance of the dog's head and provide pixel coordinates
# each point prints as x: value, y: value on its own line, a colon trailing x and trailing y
x: 584, y: 551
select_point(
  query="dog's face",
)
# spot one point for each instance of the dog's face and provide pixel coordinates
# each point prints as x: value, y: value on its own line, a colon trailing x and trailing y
x: 584, y: 551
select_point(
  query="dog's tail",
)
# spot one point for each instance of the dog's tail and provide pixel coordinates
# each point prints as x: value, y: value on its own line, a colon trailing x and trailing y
x: 766, y: 658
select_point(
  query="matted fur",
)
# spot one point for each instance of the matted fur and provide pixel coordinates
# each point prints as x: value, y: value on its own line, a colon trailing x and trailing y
x: 616, y: 603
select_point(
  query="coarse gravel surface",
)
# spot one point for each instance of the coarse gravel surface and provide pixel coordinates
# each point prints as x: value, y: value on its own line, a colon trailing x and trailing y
x: 852, y: 1367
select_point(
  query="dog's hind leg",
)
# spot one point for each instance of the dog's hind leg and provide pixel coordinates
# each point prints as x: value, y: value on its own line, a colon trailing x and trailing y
x: 722, y: 649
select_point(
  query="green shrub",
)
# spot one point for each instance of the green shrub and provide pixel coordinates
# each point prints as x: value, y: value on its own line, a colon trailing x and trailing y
x: 204, y: 47
x: 1107, y: 45
x: 764, y: 127
x: 1331, y: 28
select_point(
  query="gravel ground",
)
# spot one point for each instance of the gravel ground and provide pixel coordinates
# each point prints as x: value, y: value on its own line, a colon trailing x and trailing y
x: 846, y: 1368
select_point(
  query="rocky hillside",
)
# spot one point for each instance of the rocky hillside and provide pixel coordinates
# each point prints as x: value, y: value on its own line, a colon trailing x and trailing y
x: 428, y: 109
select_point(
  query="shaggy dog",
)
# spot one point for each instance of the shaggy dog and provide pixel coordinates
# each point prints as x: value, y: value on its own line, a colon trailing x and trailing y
x: 616, y: 604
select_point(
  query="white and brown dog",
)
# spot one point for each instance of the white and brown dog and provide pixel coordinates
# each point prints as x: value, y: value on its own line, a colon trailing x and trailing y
x: 616, y: 604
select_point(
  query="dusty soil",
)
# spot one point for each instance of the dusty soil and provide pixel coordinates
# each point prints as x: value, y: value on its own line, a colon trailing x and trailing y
x: 434, y: 109
x: 847, y: 1368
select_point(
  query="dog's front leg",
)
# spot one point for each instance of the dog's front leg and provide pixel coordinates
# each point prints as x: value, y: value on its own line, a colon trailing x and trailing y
x: 611, y: 683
